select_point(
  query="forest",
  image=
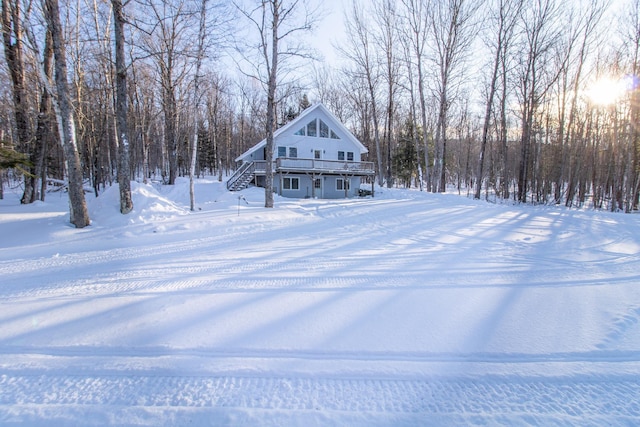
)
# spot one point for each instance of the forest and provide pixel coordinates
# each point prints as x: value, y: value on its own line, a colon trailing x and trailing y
x: 528, y: 101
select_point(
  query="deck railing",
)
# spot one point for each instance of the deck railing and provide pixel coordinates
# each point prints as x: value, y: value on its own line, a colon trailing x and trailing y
x: 246, y: 168
x: 293, y: 164
x: 296, y: 164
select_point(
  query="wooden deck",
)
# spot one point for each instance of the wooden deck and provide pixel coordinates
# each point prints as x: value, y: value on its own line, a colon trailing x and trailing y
x: 318, y: 167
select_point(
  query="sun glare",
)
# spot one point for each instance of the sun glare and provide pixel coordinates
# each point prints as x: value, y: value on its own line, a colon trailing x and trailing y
x: 606, y: 91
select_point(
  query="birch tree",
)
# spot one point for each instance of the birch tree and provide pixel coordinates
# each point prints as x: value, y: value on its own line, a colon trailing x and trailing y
x: 79, y: 215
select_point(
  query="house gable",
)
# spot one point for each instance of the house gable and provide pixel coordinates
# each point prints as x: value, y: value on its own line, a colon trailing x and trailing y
x: 315, y: 130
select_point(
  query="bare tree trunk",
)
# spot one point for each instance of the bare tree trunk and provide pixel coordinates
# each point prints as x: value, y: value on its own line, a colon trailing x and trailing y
x: 276, y: 20
x: 45, y: 126
x: 453, y: 33
x: 124, y: 171
x: 507, y: 14
x: 416, y: 15
x: 79, y: 215
x: 272, y: 72
x: 361, y: 54
x: 536, y: 77
x: 12, y: 33
x: 386, y: 18
x: 502, y: 130
x: 197, y: 96
x: 412, y: 112
x: 635, y: 108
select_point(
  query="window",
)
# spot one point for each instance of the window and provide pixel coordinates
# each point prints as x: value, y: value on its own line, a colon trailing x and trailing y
x: 317, y: 184
x: 324, y: 129
x: 342, y: 184
x: 317, y: 154
x: 293, y: 152
x: 311, y: 128
x: 291, y: 183
x: 317, y: 128
x: 350, y: 156
x: 340, y: 155
x: 282, y: 151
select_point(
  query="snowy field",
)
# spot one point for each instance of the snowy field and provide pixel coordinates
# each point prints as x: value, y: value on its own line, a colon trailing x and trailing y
x: 406, y: 309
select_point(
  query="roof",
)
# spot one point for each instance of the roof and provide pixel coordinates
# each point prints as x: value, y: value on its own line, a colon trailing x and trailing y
x: 300, y: 120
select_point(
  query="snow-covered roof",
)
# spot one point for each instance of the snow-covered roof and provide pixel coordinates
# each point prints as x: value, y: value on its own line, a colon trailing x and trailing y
x: 301, y: 119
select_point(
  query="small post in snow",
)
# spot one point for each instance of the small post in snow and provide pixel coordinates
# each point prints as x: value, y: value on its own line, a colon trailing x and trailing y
x: 241, y: 197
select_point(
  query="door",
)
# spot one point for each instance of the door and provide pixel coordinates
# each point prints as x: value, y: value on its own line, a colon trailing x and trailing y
x: 317, y: 188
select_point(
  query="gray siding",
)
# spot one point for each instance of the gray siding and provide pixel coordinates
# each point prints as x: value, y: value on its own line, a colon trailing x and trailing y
x: 330, y: 187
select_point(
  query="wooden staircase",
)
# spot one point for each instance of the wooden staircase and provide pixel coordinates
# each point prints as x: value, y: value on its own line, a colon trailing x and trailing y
x: 242, y: 177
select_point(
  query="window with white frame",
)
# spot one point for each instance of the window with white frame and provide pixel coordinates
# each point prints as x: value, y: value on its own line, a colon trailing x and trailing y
x: 289, y: 183
x: 343, y: 184
x: 293, y: 152
x: 340, y: 155
x: 317, y: 128
x: 312, y: 128
x: 350, y: 156
x: 282, y: 151
x: 324, y: 129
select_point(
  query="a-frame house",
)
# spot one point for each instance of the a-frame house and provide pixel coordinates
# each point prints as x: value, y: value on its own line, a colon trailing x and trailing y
x: 314, y: 155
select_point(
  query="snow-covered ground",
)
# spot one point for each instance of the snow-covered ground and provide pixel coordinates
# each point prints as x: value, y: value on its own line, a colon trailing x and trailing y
x: 406, y: 309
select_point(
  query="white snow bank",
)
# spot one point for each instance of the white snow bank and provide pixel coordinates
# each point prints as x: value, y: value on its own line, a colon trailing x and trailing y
x: 408, y: 308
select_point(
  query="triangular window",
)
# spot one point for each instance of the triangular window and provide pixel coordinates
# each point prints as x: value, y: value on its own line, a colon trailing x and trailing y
x: 317, y: 128
x: 311, y: 128
x: 324, y: 130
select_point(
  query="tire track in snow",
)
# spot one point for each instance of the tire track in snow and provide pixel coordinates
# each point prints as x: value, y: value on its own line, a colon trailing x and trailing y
x: 578, y: 399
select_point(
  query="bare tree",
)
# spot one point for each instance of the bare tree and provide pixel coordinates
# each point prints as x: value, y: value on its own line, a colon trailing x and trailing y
x: 276, y: 23
x: 540, y: 31
x: 122, y: 125
x: 359, y: 51
x: 45, y: 136
x: 12, y: 34
x: 64, y: 112
x: 633, y: 41
x: 453, y: 32
x: 387, y: 41
x: 169, y: 35
x: 504, y: 21
x: 197, y: 96
x: 412, y: 107
x: 416, y: 12
x: 581, y: 38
